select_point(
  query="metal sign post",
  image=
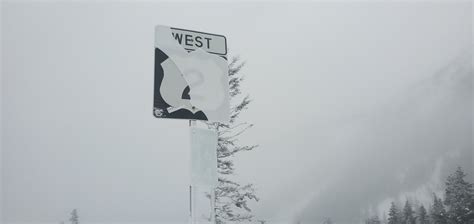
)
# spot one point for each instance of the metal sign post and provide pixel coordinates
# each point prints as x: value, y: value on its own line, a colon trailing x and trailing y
x: 191, y: 82
x: 203, y: 174
x: 192, y: 123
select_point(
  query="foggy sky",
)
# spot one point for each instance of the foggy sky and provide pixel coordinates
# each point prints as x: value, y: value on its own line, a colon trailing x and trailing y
x: 354, y: 105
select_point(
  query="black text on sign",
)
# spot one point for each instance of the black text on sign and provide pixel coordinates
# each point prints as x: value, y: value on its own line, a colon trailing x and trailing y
x: 192, y: 40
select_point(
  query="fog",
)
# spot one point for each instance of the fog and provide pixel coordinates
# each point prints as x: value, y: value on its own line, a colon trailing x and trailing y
x: 355, y: 105
x: 405, y: 148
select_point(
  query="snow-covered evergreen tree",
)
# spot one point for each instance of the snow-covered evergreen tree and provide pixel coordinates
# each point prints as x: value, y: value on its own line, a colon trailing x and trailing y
x: 408, y: 215
x: 438, y: 212
x: 422, y: 215
x: 231, y: 197
x: 74, y: 217
x: 373, y: 220
x: 459, y: 199
x: 328, y: 221
x: 394, y: 215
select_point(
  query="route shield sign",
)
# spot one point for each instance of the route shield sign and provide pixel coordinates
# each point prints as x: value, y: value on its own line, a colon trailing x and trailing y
x: 191, y: 75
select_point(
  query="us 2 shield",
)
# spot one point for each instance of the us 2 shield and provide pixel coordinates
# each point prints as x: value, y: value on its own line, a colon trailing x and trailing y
x: 191, y: 75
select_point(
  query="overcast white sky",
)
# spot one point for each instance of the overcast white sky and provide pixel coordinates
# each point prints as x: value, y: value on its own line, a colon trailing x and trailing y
x: 355, y: 105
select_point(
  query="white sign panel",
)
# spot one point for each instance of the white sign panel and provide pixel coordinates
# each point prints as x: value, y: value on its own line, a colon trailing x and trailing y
x: 192, y: 40
x: 191, y: 75
x: 203, y: 157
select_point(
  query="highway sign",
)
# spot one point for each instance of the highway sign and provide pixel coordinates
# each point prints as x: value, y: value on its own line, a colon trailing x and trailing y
x: 191, y: 75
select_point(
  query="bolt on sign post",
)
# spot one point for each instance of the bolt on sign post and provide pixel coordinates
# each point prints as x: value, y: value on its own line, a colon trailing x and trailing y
x: 192, y: 83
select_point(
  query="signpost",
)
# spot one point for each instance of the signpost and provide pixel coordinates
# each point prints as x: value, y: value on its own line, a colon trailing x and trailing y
x: 191, y: 82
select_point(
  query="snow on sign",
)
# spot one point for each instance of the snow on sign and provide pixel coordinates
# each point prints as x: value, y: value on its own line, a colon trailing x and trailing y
x: 191, y: 75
